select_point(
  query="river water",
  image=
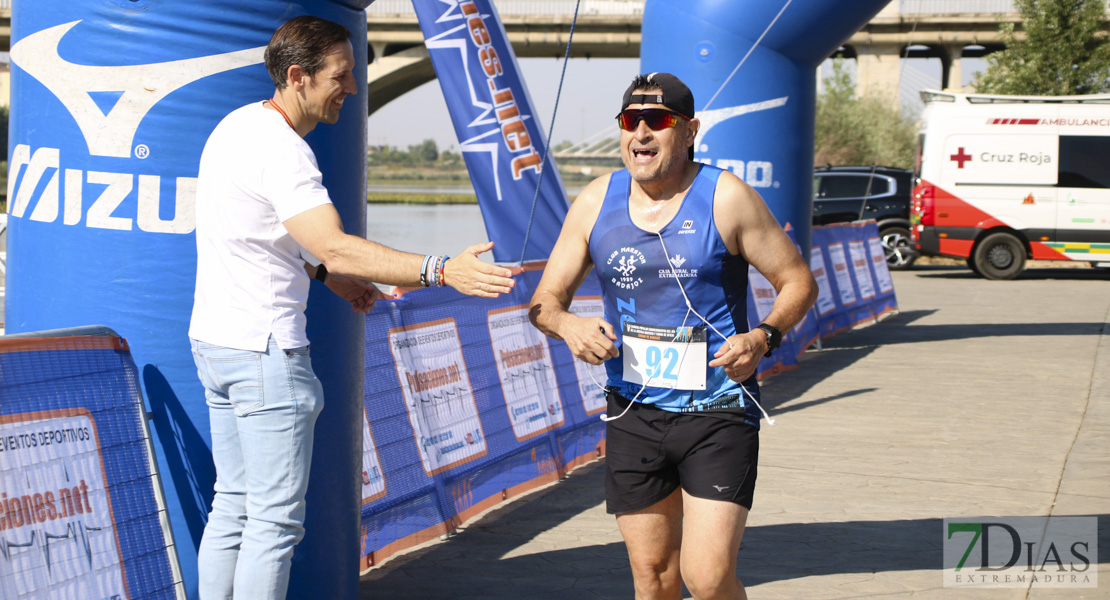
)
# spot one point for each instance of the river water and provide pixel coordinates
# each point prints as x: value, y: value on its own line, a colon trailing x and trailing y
x: 443, y: 229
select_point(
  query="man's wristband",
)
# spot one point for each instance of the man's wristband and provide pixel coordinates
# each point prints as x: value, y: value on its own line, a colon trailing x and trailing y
x: 321, y: 272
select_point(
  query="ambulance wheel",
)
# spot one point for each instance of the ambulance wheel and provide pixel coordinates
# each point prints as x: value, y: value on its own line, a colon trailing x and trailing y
x: 898, y: 248
x: 999, y: 256
x: 971, y: 265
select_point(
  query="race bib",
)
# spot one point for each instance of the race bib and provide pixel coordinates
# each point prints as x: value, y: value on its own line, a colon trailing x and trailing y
x: 666, y: 357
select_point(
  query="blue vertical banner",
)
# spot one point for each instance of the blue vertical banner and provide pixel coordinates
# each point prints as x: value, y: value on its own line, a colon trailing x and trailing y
x: 499, y: 136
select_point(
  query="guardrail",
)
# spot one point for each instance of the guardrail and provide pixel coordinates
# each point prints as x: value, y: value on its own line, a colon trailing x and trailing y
x: 636, y: 7
x: 925, y: 7
x: 524, y: 7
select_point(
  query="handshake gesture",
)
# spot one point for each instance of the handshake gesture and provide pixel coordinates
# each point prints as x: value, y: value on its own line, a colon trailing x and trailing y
x: 466, y: 273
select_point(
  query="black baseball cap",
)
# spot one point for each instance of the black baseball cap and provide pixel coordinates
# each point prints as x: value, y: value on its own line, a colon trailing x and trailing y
x: 672, y: 93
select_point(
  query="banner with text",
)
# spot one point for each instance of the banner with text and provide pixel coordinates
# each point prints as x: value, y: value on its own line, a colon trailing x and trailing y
x: 854, y: 283
x: 81, y: 511
x: 498, y: 132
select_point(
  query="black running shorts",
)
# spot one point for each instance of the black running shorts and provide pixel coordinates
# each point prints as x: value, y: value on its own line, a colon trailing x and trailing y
x: 650, y: 452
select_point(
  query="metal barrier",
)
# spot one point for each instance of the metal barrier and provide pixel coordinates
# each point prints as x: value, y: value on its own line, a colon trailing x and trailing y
x: 930, y: 7
x: 525, y: 7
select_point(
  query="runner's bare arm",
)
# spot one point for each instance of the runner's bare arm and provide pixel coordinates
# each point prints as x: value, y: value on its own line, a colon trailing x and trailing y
x: 589, y: 339
x: 320, y: 231
x: 749, y: 228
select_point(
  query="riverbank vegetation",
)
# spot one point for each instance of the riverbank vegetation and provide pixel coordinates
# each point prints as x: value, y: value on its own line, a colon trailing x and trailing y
x: 424, y: 165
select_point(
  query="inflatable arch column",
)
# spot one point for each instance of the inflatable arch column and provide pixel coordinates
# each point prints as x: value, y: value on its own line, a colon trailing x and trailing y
x: 760, y: 123
x: 112, y: 102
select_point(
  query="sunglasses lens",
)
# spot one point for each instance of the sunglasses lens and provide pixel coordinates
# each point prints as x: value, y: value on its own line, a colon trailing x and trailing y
x: 655, y: 119
x: 660, y: 119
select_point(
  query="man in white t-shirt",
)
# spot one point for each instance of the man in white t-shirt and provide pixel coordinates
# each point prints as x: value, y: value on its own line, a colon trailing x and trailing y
x: 260, y: 201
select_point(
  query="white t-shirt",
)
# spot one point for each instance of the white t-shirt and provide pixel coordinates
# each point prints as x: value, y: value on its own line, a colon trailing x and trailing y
x: 255, y: 173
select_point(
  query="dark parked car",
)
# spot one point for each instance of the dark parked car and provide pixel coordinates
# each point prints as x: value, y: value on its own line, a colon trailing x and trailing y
x: 850, y: 193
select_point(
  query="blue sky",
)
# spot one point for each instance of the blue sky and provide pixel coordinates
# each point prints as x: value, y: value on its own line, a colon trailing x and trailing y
x: 422, y: 113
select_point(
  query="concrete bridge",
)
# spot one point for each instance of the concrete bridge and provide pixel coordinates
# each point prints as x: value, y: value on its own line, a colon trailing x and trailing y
x: 946, y: 29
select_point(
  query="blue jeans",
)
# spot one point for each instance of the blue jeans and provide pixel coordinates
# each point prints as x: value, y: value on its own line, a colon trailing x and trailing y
x: 263, y: 407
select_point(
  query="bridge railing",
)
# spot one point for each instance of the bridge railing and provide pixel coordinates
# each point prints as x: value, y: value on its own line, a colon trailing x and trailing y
x: 933, y: 7
x: 627, y: 7
x: 636, y: 7
x: 524, y: 7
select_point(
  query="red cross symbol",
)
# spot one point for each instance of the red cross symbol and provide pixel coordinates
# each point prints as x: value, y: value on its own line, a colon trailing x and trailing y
x: 960, y: 158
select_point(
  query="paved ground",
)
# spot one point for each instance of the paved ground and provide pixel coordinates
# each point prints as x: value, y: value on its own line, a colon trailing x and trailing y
x: 981, y: 398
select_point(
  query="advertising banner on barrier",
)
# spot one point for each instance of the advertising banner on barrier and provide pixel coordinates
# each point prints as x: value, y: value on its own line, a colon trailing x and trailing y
x: 498, y: 132
x: 55, y: 510
x: 860, y: 289
x: 81, y: 512
x: 438, y: 395
x: 487, y: 407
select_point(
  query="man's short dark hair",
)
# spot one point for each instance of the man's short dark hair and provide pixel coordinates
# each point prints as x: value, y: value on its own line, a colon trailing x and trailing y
x: 302, y: 41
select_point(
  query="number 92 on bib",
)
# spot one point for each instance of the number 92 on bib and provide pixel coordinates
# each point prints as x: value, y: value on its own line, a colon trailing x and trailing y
x: 665, y: 357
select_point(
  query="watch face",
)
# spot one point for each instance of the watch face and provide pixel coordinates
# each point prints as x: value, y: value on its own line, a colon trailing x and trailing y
x: 774, y: 337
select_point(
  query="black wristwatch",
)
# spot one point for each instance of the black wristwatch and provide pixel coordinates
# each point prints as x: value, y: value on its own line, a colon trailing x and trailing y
x: 774, y: 337
x: 321, y: 272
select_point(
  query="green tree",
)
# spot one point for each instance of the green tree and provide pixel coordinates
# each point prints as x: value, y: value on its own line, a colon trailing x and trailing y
x: 1066, y: 51
x: 860, y: 131
x: 427, y: 151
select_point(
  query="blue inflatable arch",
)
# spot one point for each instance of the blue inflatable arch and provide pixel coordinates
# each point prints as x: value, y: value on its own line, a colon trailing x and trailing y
x: 751, y: 65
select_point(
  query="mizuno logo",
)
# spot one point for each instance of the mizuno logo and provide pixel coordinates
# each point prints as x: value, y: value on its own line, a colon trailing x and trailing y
x: 721, y: 488
x: 711, y: 118
x: 140, y: 87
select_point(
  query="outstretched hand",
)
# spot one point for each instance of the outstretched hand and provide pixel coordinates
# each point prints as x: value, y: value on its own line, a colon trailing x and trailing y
x: 469, y: 275
x: 361, y: 295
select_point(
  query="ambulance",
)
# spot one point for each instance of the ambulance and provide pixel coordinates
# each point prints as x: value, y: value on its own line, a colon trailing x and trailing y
x: 1002, y: 179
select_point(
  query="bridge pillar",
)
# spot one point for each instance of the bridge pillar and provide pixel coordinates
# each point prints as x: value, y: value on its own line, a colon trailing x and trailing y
x: 878, y: 70
x: 951, y: 72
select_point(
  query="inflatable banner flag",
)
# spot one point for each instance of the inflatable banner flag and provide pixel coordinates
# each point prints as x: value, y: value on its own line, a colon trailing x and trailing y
x: 498, y: 133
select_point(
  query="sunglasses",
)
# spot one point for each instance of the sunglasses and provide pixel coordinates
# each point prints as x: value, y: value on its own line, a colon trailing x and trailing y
x: 655, y: 118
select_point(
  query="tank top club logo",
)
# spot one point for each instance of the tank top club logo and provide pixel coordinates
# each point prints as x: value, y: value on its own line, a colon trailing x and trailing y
x: 623, y: 262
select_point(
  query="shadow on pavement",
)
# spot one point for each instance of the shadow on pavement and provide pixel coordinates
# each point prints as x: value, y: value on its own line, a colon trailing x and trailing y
x: 491, y: 558
x: 894, y: 331
x: 1033, y: 273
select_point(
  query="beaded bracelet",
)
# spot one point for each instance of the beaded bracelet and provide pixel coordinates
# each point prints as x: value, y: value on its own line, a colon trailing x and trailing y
x: 435, y: 271
x: 443, y: 271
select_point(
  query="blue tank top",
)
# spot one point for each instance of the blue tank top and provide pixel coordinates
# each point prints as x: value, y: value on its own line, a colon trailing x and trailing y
x: 639, y: 285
